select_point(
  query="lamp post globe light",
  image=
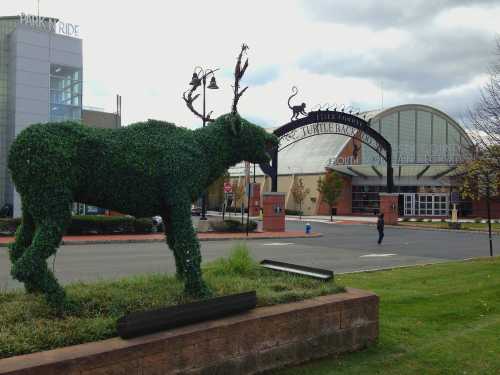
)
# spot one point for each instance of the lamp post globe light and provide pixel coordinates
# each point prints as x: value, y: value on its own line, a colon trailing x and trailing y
x: 199, y: 78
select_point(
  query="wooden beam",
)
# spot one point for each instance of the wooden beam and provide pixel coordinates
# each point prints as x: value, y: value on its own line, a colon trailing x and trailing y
x: 377, y: 172
x: 359, y: 174
x: 439, y: 175
x: 421, y: 173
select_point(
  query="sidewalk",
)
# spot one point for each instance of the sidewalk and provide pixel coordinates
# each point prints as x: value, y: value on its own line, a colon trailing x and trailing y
x: 315, y: 219
x: 336, y: 219
x: 138, y: 238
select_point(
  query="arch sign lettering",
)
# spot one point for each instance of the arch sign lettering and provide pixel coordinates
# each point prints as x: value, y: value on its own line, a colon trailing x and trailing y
x: 330, y: 122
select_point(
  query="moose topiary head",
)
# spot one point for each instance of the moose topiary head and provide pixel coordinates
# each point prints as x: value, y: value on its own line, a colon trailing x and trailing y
x: 249, y: 142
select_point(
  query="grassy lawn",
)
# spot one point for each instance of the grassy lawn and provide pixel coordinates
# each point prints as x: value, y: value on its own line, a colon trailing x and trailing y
x: 439, y: 319
x: 495, y: 227
x: 27, y: 325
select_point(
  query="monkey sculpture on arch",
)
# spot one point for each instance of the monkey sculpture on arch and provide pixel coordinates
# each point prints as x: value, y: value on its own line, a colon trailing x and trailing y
x: 296, y: 109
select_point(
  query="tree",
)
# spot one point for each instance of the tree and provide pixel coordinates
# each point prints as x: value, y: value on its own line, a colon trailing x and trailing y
x: 481, y: 181
x: 299, y: 193
x: 330, y: 189
x: 485, y: 115
x: 239, y: 196
x: 481, y: 175
x: 215, y: 191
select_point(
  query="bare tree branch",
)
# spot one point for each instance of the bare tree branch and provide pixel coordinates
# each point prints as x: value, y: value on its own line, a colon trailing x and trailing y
x: 485, y: 115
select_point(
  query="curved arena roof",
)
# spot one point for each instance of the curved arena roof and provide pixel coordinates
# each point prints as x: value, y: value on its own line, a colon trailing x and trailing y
x: 311, y: 155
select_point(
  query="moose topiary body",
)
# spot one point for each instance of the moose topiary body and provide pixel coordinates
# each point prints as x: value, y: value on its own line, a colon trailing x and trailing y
x: 144, y: 169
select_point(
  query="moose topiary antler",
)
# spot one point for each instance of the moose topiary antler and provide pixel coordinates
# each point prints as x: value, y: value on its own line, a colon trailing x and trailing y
x: 238, y: 74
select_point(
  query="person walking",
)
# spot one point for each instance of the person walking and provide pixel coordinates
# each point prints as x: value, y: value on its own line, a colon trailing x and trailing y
x: 380, y: 228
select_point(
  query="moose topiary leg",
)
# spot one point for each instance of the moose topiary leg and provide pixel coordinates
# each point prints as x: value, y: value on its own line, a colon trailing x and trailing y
x: 186, y: 249
x: 171, y: 244
x: 31, y: 267
x: 24, y: 236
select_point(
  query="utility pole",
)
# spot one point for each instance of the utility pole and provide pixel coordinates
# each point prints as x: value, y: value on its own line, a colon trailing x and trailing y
x: 488, y: 198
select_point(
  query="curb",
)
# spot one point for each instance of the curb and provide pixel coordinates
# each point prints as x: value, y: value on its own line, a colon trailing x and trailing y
x: 132, y: 240
x: 441, y: 229
x: 393, y: 268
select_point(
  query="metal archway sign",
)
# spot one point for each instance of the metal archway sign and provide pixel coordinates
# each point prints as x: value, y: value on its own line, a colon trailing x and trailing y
x: 329, y: 122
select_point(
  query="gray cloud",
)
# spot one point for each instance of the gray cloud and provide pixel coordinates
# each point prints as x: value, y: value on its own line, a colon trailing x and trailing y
x: 382, y: 14
x: 431, y: 62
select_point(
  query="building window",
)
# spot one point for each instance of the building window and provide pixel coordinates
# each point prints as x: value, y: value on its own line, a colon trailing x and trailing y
x: 65, y: 93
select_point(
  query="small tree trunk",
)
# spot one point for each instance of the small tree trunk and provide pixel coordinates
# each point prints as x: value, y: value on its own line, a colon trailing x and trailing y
x: 488, y: 199
x: 331, y: 213
x: 300, y: 211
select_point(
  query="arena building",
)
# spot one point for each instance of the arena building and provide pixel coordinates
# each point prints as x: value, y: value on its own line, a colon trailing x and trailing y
x: 427, y: 148
x: 41, y: 80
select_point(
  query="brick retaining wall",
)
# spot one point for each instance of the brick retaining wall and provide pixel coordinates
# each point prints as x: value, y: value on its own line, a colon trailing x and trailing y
x: 248, y: 343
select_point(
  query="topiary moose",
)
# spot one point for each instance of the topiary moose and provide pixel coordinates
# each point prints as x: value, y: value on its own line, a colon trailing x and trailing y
x: 145, y: 169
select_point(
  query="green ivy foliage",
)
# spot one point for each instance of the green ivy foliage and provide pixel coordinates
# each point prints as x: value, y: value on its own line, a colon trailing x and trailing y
x: 146, y: 169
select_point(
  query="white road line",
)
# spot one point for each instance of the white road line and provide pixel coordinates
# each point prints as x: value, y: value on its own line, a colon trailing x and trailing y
x: 376, y: 255
x: 278, y: 244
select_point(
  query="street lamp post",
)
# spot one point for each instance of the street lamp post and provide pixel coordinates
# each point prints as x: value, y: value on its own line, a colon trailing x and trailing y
x: 200, y: 76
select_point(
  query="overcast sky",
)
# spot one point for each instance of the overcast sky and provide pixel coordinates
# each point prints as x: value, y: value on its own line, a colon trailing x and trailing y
x: 416, y: 51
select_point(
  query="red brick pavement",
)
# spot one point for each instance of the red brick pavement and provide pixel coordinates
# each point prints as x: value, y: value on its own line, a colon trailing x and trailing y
x: 210, y: 236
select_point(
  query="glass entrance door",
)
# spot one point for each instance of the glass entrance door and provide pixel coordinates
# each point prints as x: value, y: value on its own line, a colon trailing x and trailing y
x: 425, y: 204
x: 409, y: 204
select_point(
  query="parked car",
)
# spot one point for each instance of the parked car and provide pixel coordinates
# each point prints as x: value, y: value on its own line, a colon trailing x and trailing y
x: 195, y: 210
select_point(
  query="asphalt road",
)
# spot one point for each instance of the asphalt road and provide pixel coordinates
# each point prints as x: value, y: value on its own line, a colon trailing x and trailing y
x: 343, y: 248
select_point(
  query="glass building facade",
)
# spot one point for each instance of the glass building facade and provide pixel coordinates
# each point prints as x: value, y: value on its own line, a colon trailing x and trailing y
x: 7, y: 25
x: 65, y: 93
x: 40, y: 81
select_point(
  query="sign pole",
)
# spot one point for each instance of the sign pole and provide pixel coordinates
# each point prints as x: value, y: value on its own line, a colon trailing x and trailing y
x: 248, y: 215
x: 224, y: 206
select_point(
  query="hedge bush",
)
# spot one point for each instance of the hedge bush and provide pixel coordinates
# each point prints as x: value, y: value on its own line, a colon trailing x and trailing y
x: 233, y: 226
x: 9, y: 226
x: 93, y: 224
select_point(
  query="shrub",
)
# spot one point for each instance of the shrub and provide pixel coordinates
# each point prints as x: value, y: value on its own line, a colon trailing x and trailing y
x: 292, y: 212
x: 236, y: 209
x: 405, y: 219
x: 477, y: 220
x: 419, y: 219
x: 8, y: 226
x: 98, y: 224
x: 93, y: 224
x: 143, y: 225
x: 231, y: 225
x: 239, y: 263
